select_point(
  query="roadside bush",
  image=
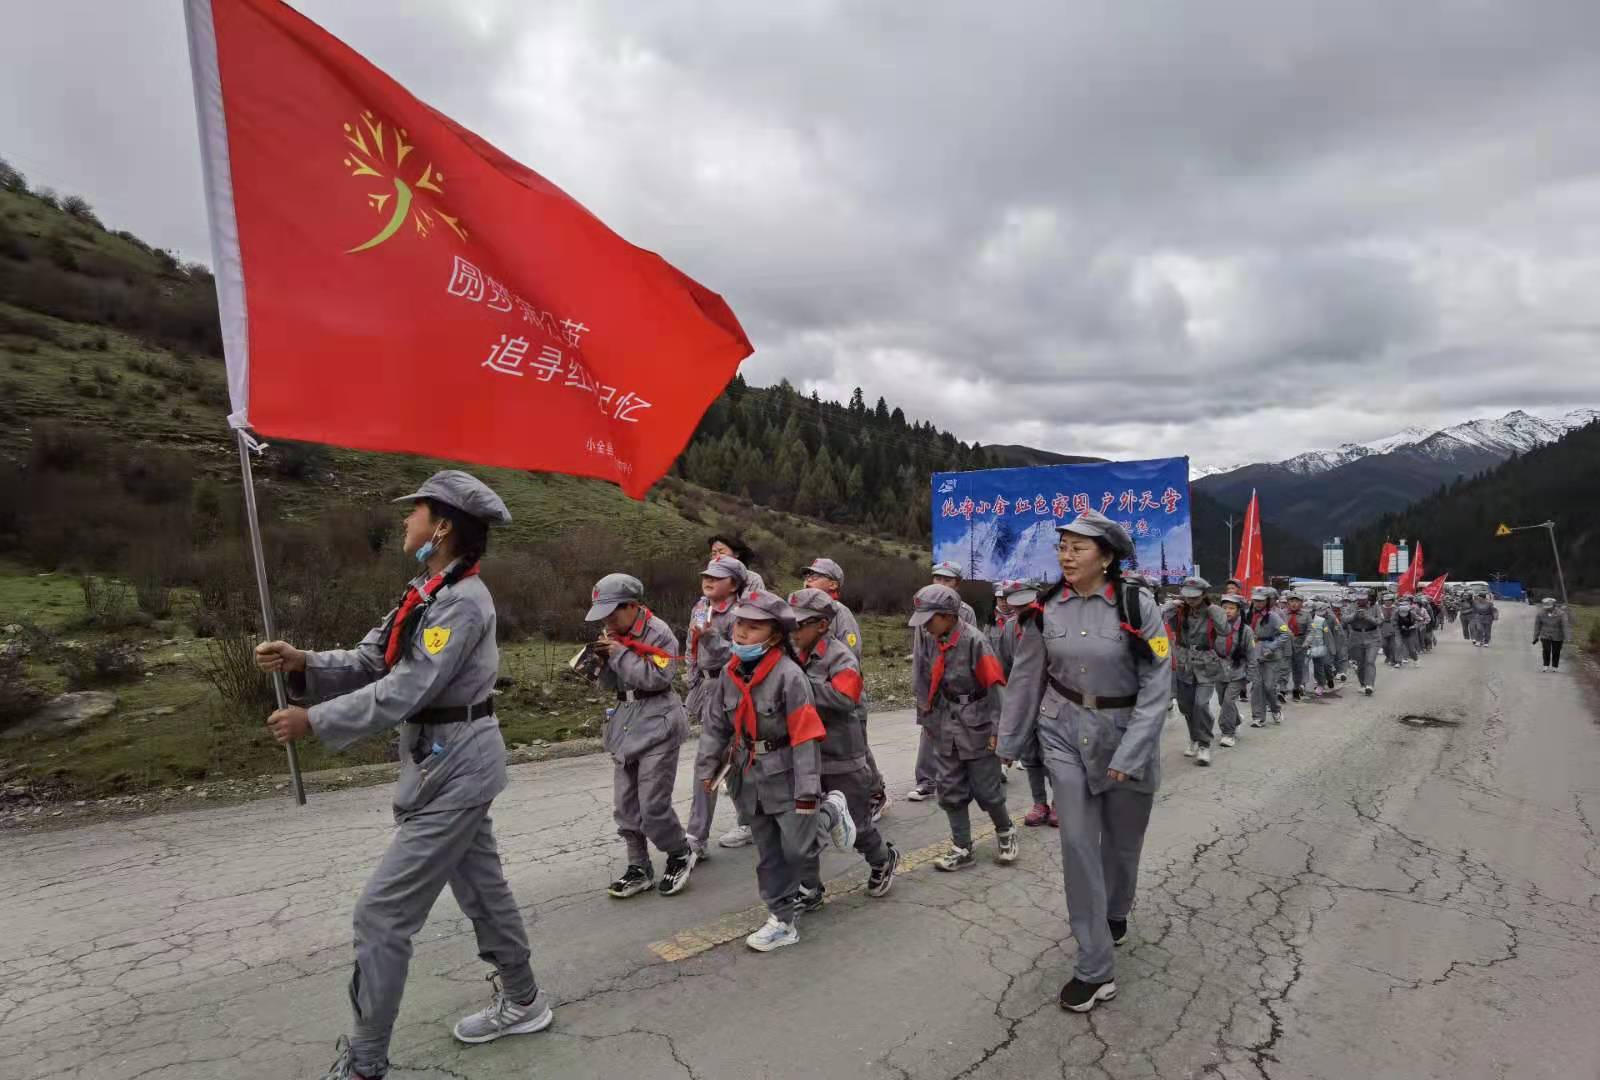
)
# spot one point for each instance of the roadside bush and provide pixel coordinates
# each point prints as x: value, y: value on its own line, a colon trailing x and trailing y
x: 156, y: 476
x: 109, y: 663
x: 298, y: 461
x: 110, y: 604
x: 18, y: 696
x: 65, y: 447
x: 229, y: 665
x: 152, y: 568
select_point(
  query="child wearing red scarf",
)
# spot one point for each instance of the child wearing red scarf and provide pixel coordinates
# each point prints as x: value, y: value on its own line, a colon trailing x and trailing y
x: 765, y: 742
x: 958, y: 681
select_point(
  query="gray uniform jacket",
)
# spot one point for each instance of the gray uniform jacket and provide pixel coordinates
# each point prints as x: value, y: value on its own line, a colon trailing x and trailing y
x: 835, y: 676
x: 1299, y: 625
x: 1270, y: 628
x: 1550, y: 626
x: 1200, y: 642
x: 452, y: 660
x: 1079, y: 642
x: 843, y: 627
x: 1484, y: 610
x: 969, y: 616
x: 778, y: 777
x: 1244, y: 648
x: 1386, y: 623
x: 963, y: 717
x: 648, y: 724
x: 710, y: 647
x: 1002, y: 637
x: 1361, y: 626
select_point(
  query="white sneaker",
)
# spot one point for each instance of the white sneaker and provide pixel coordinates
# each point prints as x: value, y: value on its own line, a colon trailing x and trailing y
x: 1227, y: 740
x: 841, y: 827
x: 1188, y: 751
x: 1258, y: 723
x: 773, y: 935
x: 919, y: 794
x: 1545, y: 668
x: 505, y: 1017
x: 1204, y: 756
x: 738, y: 836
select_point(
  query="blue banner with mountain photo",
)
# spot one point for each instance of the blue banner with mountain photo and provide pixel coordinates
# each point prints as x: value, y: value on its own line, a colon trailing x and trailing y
x: 1000, y: 524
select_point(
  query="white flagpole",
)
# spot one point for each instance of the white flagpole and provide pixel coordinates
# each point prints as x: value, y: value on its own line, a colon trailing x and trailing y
x: 267, y: 629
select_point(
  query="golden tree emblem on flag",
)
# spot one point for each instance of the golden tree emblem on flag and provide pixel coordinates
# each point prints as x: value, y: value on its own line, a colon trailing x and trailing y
x: 380, y: 150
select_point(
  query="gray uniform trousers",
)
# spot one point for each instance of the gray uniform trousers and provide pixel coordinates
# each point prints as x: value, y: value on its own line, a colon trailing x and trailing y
x: 430, y: 851
x: 1298, y: 661
x: 1101, y: 838
x: 642, y: 796
x: 1264, y: 690
x: 856, y: 787
x: 1228, y: 714
x: 961, y: 782
x: 1365, y: 655
x: 927, y: 766
x: 1412, y: 640
x: 1194, y: 702
x: 788, y: 845
x: 1391, y: 647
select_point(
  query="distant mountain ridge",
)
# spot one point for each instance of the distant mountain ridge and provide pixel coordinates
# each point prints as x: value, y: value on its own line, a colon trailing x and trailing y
x: 1515, y: 432
x: 1326, y: 493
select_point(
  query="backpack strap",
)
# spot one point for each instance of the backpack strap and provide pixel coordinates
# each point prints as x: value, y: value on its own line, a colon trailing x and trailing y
x: 1128, y: 610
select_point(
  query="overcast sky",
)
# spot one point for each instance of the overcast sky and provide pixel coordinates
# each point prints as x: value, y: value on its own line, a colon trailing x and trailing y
x: 1232, y: 230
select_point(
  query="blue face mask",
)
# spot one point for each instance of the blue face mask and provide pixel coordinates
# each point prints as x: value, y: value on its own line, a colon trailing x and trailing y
x: 425, y: 552
x: 751, y: 652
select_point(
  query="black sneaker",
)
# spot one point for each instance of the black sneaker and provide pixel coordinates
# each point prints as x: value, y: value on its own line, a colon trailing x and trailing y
x: 882, y: 876
x: 1282, y: 698
x: 1298, y: 693
x: 1080, y: 996
x: 877, y: 804
x: 1119, y: 930
x: 809, y: 901
x: 635, y: 881
x: 676, y: 875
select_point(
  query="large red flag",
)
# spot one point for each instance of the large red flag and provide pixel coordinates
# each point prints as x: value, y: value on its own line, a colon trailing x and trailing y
x: 1413, y: 574
x: 1251, y: 568
x: 1386, y: 558
x: 390, y: 281
x: 1435, y: 589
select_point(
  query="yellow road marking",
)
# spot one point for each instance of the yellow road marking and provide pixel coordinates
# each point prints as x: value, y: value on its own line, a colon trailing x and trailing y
x: 737, y: 924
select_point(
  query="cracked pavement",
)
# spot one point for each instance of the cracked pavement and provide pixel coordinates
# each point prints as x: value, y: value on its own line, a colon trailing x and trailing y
x: 1343, y: 896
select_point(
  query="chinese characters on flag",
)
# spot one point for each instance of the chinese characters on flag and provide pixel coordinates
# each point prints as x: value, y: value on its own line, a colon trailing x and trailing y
x: 390, y: 281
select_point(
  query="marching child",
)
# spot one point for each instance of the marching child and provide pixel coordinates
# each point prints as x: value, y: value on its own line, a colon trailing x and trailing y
x: 835, y: 676
x: 643, y: 733
x: 766, y: 742
x: 958, y: 680
x: 1235, y: 668
x: 710, y: 646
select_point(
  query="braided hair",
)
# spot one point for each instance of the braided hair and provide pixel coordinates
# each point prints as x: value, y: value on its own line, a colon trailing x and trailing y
x: 469, y: 534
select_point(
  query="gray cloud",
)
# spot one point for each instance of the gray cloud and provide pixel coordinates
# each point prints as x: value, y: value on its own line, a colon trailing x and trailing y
x: 1233, y: 230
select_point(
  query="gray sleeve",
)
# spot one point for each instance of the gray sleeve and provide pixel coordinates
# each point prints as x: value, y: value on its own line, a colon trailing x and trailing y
x: 338, y: 671
x: 1019, y: 712
x: 1142, y: 741
x: 716, y: 732
x: 409, y: 686
x: 807, y: 756
x: 635, y: 672
x: 714, y: 650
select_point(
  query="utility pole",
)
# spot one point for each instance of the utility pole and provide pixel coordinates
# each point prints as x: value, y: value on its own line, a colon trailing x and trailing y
x: 1233, y: 559
x: 1550, y: 527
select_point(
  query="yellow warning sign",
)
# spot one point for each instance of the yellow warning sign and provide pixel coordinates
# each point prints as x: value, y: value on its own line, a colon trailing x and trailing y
x: 1503, y: 530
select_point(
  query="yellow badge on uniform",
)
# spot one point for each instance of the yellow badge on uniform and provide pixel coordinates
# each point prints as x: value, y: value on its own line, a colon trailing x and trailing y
x: 1159, y: 646
x: 435, y: 638
x: 660, y: 662
x: 850, y: 640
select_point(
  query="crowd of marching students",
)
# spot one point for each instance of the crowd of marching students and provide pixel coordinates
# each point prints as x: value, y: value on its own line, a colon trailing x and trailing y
x: 1074, y: 680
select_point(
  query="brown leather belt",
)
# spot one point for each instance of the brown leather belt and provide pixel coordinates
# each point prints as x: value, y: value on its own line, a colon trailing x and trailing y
x: 1090, y: 701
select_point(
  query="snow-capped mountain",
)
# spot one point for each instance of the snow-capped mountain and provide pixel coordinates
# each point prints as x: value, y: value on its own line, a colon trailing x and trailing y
x: 1515, y: 432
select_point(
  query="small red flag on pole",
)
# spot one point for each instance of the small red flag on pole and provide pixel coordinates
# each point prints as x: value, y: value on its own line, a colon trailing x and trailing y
x: 1413, y: 574
x: 390, y: 281
x: 1435, y: 589
x: 1387, y: 557
x: 1251, y: 569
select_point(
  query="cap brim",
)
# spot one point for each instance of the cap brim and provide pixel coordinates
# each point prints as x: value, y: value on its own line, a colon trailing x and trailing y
x: 1191, y: 594
x: 753, y: 613
x: 413, y: 497
x: 601, y: 609
x: 1022, y: 599
x: 720, y: 572
x: 920, y: 618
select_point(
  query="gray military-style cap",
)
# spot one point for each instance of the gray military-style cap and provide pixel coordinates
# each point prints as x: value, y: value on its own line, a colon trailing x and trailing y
x: 1232, y: 598
x: 826, y: 567
x: 466, y: 493
x: 767, y: 607
x: 947, y: 569
x: 1094, y: 523
x: 1194, y: 588
x: 726, y: 566
x: 1021, y: 593
x: 810, y: 603
x: 933, y: 600
x: 611, y: 592
x: 1261, y: 592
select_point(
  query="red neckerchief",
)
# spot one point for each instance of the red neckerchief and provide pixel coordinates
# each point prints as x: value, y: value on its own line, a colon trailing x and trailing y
x: 413, y: 597
x: 641, y: 648
x: 1294, y: 623
x: 938, y: 667
x: 744, y: 717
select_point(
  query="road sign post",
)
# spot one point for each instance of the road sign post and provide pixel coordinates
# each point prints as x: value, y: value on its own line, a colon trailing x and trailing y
x: 1550, y: 527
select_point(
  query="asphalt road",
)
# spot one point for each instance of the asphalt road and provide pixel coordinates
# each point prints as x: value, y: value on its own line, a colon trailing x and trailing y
x: 1349, y: 895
